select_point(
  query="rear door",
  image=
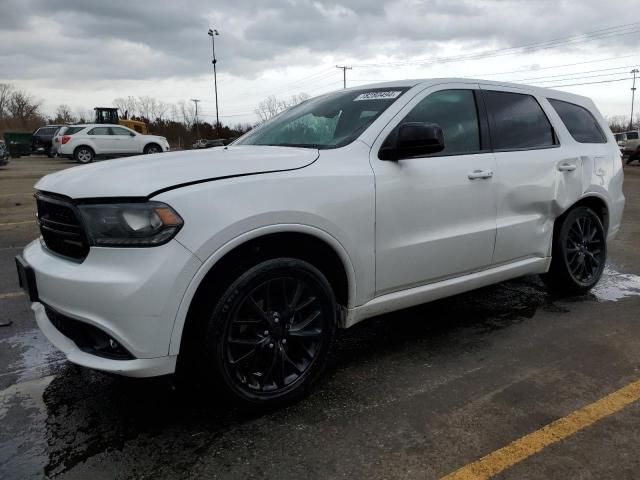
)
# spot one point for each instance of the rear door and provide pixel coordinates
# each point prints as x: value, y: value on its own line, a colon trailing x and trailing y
x: 102, y: 139
x: 534, y: 173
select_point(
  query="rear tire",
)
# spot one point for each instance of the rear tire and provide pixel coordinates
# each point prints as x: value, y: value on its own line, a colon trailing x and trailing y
x: 579, y: 253
x: 271, y: 332
x: 83, y: 154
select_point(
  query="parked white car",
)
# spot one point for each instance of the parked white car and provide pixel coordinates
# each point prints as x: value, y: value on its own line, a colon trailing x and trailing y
x: 86, y: 142
x: 240, y: 263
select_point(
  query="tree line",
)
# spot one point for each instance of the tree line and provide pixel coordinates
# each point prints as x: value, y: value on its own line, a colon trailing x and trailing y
x: 22, y: 112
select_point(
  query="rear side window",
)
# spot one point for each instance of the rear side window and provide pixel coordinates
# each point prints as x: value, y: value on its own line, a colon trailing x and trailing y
x: 632, y: 135
x: 582, y: 126
x: 517, y: 121
x: 100, y: 131
x: 72, y: 130
x: 46, y: 130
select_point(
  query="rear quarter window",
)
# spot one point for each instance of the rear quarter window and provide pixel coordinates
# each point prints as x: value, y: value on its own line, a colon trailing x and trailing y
x: 581, y: 124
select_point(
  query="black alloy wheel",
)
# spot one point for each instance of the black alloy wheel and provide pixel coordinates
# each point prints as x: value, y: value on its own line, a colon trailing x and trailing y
x: 584, y: 249
x: 273, y: 330
x: 579, y: 252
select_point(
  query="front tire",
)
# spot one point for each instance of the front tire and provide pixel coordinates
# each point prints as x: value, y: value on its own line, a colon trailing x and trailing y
x: 271, y: 332
x: 579, y: 253
x: 152, y: 148
x: 83, y: 154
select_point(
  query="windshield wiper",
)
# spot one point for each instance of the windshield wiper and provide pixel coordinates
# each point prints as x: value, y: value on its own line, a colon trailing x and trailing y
x: 299, y: 145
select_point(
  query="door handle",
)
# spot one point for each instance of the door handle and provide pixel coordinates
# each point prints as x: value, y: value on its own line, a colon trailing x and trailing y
x: 482, y: 174
x: 566, y: 167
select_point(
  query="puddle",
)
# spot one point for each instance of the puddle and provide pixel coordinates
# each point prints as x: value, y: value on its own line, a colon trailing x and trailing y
x: 614, y: 286
x: 35, y: 355
x: 23, y: 441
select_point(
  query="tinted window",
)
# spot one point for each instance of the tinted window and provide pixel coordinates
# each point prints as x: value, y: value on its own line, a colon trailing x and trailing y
x: 579, y: 121
x: 72, y: 130
x: 46, y: 131
x: 120, y: 131
x: 517, y: 121
x: 632, y: 135
x: 100, y: 131
x: 456, y: 113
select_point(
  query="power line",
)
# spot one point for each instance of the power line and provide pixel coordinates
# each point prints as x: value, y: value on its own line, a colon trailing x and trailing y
x: 573, y: 78
x: 572, y: 40
x: 590, y: 83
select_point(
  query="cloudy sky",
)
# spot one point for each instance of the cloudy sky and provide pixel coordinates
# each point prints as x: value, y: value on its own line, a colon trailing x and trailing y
x: 87, y: 52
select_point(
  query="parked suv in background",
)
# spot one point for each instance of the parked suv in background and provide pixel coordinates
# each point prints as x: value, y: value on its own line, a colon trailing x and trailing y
x: 4, y: 154
x: 238, y: 264
x: 43, y: 139
x: 98, y: 140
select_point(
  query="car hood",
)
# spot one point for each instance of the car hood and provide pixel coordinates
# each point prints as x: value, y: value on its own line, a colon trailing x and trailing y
x: 146, y: 175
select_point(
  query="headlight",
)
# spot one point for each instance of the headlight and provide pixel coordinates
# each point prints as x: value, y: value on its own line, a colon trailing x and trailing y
x: 130, y: 224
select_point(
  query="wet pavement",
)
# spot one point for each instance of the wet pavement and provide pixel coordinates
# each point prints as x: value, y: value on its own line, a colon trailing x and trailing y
x: 413, y: 394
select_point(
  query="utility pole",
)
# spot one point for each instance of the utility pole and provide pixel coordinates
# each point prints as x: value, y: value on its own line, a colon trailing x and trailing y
x: 633, y: 96
x: 212, y: 34
x: 344, y: 74
x: 196, y: 100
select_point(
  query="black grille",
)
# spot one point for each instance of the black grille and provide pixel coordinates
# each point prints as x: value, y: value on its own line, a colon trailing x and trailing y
x: 88, y: 338
x: 61, y: 229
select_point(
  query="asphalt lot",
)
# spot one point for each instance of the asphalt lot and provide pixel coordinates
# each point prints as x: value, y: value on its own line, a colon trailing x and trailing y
x: 415, y: 394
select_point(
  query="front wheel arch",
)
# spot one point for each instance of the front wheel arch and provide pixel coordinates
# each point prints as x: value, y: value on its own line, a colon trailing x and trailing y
x: 149, y: 146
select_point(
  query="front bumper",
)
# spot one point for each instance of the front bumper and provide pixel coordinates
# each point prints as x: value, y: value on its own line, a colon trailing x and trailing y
x: 130, y: 294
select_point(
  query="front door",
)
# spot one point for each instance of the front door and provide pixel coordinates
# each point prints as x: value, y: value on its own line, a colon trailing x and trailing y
x: 436, y: 214
x: 125, y: 142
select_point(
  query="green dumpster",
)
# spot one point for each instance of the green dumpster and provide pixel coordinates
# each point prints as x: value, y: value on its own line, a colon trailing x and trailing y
x: 18, y: 143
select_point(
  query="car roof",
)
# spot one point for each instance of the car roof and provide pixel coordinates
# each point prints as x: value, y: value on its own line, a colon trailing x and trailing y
x: 427, y: 82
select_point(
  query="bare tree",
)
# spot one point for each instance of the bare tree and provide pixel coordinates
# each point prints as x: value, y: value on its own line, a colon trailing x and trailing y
x: 127, y: 106
x: 23, y: 108
x: 269, y: 108
x: 272, y: 106
x: 6, y: 89
x: 63, y: 114
x: 187, y: 113
x: 158, y: 109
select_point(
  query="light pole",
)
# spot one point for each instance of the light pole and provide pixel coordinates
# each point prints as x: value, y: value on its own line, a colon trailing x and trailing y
x: 212, y: 34
x: 633, y: 96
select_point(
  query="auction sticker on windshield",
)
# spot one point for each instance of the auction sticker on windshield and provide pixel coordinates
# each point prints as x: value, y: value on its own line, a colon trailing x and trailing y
x: 390, y: 94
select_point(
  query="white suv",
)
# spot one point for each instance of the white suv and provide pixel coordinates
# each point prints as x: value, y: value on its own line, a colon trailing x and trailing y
x: 240, y: 263
x: 86, y: 142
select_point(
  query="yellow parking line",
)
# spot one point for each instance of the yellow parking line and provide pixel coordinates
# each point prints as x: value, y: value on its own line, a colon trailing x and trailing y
x: 524, y: 447
x: 16, y: 223
x: 11, y: 295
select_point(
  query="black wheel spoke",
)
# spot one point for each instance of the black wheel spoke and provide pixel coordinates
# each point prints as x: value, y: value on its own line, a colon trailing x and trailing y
x: 246, y: 341
x: 256, y: 308
x: 305, y: 333
x: 243, y: 358
x: 306, y: 322
x: 297, y: 294
x: 305, y: 303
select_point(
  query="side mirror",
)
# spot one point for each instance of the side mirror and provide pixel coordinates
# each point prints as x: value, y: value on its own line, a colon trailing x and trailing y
x: 132, y: 134
x: 413, y: 139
